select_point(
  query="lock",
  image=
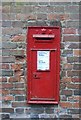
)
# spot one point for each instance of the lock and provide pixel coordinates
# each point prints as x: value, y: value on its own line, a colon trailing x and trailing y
x: 36, y: 75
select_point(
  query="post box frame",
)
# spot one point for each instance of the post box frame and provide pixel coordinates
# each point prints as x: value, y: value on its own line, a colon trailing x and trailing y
x: 29, y: 48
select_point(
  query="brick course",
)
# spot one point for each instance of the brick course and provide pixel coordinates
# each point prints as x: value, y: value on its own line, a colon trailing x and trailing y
x: 16, y: 17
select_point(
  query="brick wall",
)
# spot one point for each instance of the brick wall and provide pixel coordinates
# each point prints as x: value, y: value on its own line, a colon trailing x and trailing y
x: 16, y: 17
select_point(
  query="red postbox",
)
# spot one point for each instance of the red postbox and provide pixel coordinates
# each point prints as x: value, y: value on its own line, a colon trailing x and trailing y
x: 43, y: 64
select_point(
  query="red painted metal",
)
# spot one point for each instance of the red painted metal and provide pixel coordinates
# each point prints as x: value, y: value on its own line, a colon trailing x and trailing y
x: 43, y: 82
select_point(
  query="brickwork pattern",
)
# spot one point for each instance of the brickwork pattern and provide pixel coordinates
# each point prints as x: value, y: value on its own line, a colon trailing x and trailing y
x: 16, y: 16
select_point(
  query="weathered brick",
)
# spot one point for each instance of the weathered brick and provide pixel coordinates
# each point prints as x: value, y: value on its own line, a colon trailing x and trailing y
x: 74, y: 24
x: 61, y: 17
x: 73, y: 59
x: 7, y: 73
x: 66, y: 104
x: 59, y: 9
x: 49, y: 110
x: 8, y: 98
x: 15, y: 9
x: 24, y: 17
x: 19, y: 110
x: 69, y: 31
x: 19, y: 24
x: 76, y: 105
x: 67, y: 53
x: 74, y: 16
x: 75, y: 80
x: 66, y: 80
x: 72, y: 8
x: 15, y: 92
x: 16, y: 66
x: 74, y: 46
x: 77, y: 66
x: 5, y: 92
x: 18, y: 104
x: 50, y: 9
x: 77, y: 52
x: 20, y: 59
x: 17, y: 52
x: 72, y: 38
x: 5, y: 116
x: 18, y: 85
x: 6, y: 24
x: 6, y: 9
x: 18, y: 38
x: 72, y: 86
x: 5, y: 66
x: 21, y: 45
x: 9, y: 110
x: 8, y: 16
x: 10, y: 59
x: 67, y: 67
x: 73, y: 73
x: 3, y: 79
x: 19, y: 98
x: 73, y: 111
x: 34, y: 110
x: 77, y: 92
x: 19, y: 72
x: 15, y: 79
x: 42, y: 16
x: 11, y: 31
x: 66, y: 92
x: 43, y: 9
x: 7, y: 85
x: 28, y: 9
x: 9, y: 45
x: 65, y: 116
x: 74, y: 98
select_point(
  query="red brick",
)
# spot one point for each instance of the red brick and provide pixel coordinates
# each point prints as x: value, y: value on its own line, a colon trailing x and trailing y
x: 3, y: 79
x: 8, y: 98
x: 69, y: 31
x: 66, y: 80
x: 76, y: 105
x: 18, y: 38
x: 77, y: 52
x: 5, y: 92
x: 5, y: 66
x: 75, y: 80
x: 15, y: 79
x: 72, y: 86
x: 7, y: 86
x: 16, y: 66
x: 74, y: 98
x: 16, y: 92
x: 66, y: 104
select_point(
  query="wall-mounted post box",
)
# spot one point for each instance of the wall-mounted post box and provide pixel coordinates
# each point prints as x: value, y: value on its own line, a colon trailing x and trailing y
x: 43, y: 64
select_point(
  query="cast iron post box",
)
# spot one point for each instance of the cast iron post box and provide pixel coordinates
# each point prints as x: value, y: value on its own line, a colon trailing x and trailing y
x: 43, y: 64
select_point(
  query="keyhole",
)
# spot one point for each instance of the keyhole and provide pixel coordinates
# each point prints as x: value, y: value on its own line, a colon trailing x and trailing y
x: 35, y: 76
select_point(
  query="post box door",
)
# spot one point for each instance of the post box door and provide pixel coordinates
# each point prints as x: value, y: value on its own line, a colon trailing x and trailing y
x: 43, y: 71
x: 43, y: 76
